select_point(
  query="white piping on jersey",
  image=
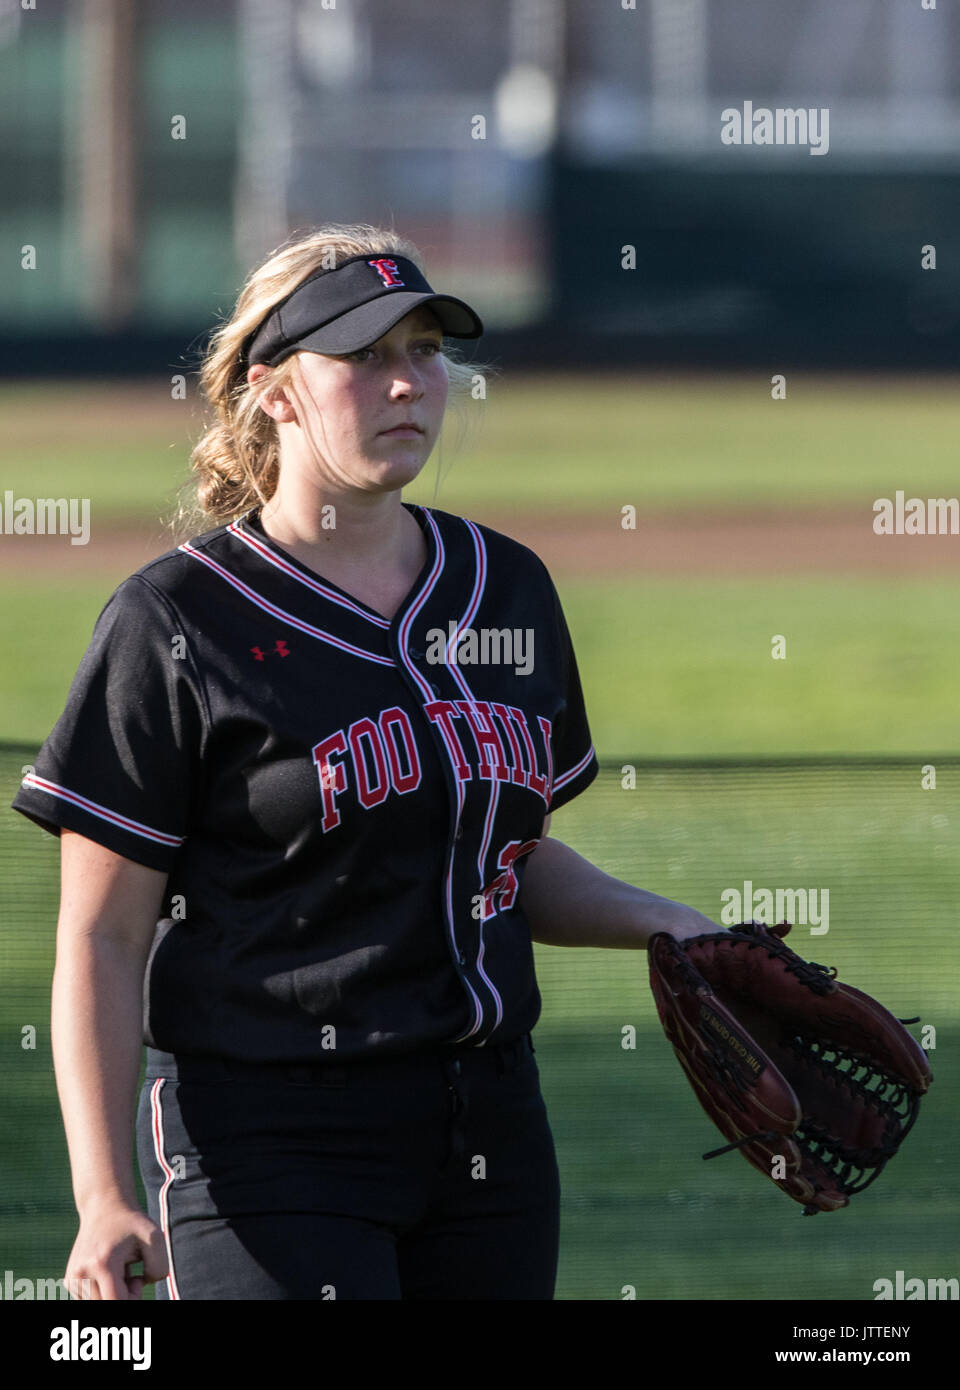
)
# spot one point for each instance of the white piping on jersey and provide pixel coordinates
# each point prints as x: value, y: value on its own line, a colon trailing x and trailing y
x: 316, y: 585
x: 135, y: 827
x: 480, y: 554
x: 574, y: 771
x: 473, y: 604
x: 480, y: 551
x: 424, y: 686
x: 282, y: 614
x: 156, y: 1127
x: 448, y: 890
x: 488, y: 829
x: 481, y: 859
x: 426, y: 690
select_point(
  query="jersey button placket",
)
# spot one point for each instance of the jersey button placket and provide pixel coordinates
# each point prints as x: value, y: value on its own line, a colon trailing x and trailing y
x: 418, y: 655
x: 415, y: 654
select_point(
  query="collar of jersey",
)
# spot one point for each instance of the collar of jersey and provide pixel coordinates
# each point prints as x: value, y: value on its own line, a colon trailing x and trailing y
x: 274, y: 555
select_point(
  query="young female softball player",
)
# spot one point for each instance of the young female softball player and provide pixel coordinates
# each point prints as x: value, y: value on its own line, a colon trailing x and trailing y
x: 302, y: 783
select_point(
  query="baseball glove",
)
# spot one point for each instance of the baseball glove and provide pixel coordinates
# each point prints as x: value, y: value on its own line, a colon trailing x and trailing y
x: 813, y: 1081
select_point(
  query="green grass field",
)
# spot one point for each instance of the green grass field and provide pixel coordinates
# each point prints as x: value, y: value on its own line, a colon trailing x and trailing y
x: 683, y: 443
x: 574, y: 440
x: 670, y: 667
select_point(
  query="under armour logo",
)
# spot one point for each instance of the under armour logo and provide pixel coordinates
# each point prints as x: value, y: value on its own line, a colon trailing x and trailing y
x: 388, y: 271
x: 279, y: 647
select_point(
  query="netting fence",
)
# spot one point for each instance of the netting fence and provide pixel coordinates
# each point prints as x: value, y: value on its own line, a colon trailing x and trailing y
x: 860, y: 854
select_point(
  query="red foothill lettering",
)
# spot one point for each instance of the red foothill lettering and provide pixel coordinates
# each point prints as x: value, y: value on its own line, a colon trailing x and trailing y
x: 443, y: 713
x: 493, y: 763
x: 333, y: 779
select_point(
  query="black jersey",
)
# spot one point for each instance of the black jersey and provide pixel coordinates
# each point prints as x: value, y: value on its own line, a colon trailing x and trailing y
x: 342, y: 803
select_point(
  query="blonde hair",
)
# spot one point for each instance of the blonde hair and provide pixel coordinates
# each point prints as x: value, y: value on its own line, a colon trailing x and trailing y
x: 235, y: 465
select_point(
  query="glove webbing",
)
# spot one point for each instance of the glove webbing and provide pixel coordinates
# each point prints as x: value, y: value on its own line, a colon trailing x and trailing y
x: 899, y: 1104
x: 893, y: 1099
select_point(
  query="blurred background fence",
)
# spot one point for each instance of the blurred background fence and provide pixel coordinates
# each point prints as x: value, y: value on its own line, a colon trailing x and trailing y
x: 153, y: 152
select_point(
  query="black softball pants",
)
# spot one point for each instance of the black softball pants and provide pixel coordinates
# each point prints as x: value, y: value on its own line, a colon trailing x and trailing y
x: 429, y: 1176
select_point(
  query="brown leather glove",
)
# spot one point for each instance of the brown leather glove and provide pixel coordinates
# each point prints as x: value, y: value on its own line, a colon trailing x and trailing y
x: 813, y: 1081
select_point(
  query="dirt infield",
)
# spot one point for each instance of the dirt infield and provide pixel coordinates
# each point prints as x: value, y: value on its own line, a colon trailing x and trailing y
x: 721, y: 543
x: 753, y: 541
x: 768, y: 543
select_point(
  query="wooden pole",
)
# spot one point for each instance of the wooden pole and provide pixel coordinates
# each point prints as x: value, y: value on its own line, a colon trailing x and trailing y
x: 106, y: 186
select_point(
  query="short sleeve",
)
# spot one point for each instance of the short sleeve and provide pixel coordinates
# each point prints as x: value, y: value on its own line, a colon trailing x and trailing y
x: 122, y: 764
x: 575, y: 762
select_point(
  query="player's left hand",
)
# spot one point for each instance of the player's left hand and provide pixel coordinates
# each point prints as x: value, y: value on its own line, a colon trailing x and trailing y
x: 814, y: 1081
x: 686, y: 922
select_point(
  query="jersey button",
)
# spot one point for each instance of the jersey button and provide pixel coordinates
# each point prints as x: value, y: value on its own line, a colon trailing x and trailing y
x: 415, y: 654
x: 462, y: 958
x: 435, y: 688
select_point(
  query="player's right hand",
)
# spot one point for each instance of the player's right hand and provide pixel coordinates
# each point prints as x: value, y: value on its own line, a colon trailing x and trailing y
x: 112, y: 1238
